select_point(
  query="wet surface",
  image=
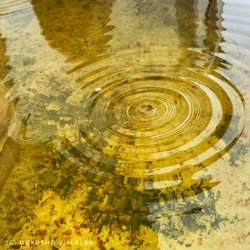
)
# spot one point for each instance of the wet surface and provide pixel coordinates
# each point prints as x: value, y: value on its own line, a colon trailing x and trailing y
x: 125, y: 124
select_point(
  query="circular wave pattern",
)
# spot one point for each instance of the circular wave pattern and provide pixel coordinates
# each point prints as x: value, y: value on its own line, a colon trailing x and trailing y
x: 147, y: 125
x: 30, y: 135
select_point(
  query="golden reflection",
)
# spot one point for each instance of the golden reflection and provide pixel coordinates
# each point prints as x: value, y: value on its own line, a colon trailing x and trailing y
x: 129, y: 126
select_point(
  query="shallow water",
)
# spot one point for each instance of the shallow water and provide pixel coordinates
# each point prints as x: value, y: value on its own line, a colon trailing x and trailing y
x: 125, y: 124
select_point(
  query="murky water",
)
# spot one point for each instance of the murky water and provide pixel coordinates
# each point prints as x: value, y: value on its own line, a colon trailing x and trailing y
x: 124, y: 124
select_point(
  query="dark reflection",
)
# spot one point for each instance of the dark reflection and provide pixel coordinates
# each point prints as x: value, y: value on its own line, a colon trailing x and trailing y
x: 188, y: 23
x: 213, y: 21
x: 186, y: 16
x: 75, y: 28
x: 200, y: 35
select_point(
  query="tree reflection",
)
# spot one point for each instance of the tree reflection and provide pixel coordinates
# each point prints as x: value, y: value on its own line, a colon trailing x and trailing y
x: 75, y: 28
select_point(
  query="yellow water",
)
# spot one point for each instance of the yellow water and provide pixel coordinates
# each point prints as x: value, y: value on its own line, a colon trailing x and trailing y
x: 124, y: 124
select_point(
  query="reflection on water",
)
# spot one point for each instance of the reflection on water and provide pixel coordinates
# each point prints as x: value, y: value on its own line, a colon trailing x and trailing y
x: 75, y: 28
x: 121, y: 110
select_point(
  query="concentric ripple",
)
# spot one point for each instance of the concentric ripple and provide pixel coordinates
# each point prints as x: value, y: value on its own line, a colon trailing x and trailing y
x: 148, y: 125
x: 29, y: 136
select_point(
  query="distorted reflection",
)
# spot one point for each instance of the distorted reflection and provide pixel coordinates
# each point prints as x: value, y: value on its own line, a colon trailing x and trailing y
x: 77, y: 29
x: 121, y: 107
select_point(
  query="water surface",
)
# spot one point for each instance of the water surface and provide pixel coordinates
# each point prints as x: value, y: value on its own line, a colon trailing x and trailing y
x: 125, y: 124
